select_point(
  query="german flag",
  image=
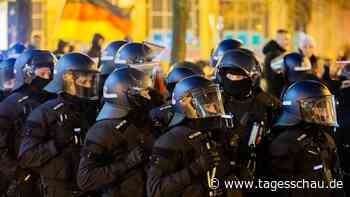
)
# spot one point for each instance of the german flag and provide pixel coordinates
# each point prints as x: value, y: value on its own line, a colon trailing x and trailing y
x: 81, y: 19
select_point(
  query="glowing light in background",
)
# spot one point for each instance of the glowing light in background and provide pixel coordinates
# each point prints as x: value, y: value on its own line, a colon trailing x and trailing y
x: 3, y: 25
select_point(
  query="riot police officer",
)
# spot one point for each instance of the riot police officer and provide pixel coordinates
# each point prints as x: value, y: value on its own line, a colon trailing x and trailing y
x: 162, y: 115
x: 55, y: 130
x: 34, y: 69
x: 294, y: 67
x: 107, y: 60
x: 188, y: 159
x: 116, y: 149
x: 7, y: 77
x: 142, y: 57
x: 195, y: 67
x: 342, y: 137
x: 305, y: 150
x: 238, y: 73
x: 223, y: 46
x: 107, y: 64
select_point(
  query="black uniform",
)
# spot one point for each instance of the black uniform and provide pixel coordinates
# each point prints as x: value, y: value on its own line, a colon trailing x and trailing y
x: 305, y: 150
x: 115, y: 155
x: 55, y: 130
x: 13, y: 112
x: 174, y: 170
x: 342, y: 137
x: 105, y: 165
x: 26, y: 96
x: 52, y: 142
x: 196, y: 146
x: 253, y: 108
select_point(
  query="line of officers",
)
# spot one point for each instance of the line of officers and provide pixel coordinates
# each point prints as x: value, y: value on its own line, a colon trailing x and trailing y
x: 70, y: 128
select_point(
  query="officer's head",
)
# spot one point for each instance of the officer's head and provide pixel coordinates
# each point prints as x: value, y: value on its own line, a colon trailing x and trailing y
x: 196, y: 68
x: 310, y: 102
x: 35, y: 68
x: 296, y: 67
x: 15, y: 50
x: 126, y: 88
x: 222, y: 47
x: 177, y: 73
x: 77, y: 75
x: 134, y: 53
x: 238, y: 72
x: 197, y: 97
x: 142, y: 56
x: 108, y: 55
x: 7, y: 75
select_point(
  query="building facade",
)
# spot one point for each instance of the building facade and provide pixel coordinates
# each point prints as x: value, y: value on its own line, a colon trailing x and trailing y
x: 252, y: 21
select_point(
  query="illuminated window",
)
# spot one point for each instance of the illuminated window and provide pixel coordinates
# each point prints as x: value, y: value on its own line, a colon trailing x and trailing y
x: 38, y: 20
x: 160, y: 18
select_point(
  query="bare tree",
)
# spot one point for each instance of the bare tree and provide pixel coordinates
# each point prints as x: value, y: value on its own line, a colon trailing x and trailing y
x: 179, y: 26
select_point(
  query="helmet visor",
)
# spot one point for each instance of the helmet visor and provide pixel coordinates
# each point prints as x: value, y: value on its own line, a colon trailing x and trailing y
x: 205, y: 103
x: 321, y: 110
x: 82, y: 84
x: 7, y: 79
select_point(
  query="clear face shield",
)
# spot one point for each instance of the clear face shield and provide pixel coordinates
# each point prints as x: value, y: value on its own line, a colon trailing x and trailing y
x: 203, y: 103
x: 321, y: 110
x: 7, y: 79
x: 142, y: 88
x: 82, y: 84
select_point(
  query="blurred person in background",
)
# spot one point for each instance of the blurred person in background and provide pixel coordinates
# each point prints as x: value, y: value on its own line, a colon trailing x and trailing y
x: 35, y: 42
x: 272, y: 50
x: 62, y: 48
x: 96, y: 47
x: 307, y: 48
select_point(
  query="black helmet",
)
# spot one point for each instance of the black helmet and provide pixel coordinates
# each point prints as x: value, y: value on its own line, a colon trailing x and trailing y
x: 224, y: 46
x: 197, y: 97
x: 122, y: 89
x: 308, y: 101
x: 194, y: 67
x: 28, y: 62
x: 108, y: 55
x: 15, y: 50
x: 140, y: 56
x: 238, y: 72
x: 76, y: 74
x: 134, y: 53
x: 296, y: 67
x: 175, y: 75
x: 7, y: 75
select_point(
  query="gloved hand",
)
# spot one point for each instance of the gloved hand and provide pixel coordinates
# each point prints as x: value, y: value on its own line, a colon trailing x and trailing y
x: 137, y: 156
x: 13, y: 190
x: 64, y: 136
x: 206, y: 161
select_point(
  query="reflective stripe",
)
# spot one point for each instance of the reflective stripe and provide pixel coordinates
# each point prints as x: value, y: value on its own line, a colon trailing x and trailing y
x: 287, y: 103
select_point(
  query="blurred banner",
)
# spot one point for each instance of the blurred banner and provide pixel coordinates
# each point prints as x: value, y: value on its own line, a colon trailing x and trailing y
x: 81, y: 19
